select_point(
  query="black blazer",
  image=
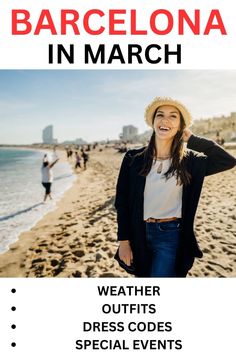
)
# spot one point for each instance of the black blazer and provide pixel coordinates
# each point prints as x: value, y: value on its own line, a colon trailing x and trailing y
x: 204, y: 157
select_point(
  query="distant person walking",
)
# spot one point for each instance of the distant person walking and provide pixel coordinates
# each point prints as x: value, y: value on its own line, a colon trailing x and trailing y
x: 85, y: 157
x: 77, y: 160
x: 69, y: 153
x: 219, y: 140
x: 47, y: 176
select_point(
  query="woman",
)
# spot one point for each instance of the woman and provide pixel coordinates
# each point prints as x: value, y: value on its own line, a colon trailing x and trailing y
x: 47, y: 177
x: 158, y: 190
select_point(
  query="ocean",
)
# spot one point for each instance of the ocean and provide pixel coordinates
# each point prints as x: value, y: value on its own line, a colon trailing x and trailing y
x: 21, y: 191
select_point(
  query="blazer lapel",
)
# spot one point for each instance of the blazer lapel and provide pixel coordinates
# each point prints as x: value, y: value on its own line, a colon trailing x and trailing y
x: 139, y: 184
x: 184, y: 199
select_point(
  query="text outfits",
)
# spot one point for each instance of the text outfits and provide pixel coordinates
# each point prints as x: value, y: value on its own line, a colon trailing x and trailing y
x: 130, y: 202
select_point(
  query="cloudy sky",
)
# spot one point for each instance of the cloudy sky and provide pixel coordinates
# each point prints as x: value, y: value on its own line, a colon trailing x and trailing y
x: 94, y: 105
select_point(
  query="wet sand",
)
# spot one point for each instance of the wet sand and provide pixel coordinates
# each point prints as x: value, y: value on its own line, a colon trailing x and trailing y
x: 78, y: 239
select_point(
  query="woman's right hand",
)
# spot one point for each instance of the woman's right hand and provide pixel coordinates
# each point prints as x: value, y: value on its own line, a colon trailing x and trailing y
x: 186, y: 134
x: 125, y: 252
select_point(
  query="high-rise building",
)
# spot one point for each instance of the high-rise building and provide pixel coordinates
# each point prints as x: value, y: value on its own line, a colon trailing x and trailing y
x: 48, y: 135
x: 129, y: 133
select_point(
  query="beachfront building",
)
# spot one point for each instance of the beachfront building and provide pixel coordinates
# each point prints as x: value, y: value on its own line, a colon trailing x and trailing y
x: 78, y: 141
x: 129, y: 133
x: 223, y: 126
x: 48, y: 135
x: 145, y: 137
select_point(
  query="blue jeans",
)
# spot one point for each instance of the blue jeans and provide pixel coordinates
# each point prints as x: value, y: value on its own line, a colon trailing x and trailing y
x: 163, y: 241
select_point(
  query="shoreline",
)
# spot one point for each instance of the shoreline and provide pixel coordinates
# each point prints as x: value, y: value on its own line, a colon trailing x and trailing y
x: 61, y: 231
x: 78, y: 238
x: 12, y: 261
x: 49, y: 207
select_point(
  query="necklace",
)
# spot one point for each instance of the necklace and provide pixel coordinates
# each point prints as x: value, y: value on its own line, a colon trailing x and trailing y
x: 160, y: 166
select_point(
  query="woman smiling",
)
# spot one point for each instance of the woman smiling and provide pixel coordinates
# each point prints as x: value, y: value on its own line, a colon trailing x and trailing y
x: 158, y: 190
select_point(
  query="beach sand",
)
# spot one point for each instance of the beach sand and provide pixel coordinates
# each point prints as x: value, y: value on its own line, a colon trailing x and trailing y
x: 78, y: 238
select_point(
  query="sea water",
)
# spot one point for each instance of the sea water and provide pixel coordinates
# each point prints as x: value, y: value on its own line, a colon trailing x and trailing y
x: 21, y: 191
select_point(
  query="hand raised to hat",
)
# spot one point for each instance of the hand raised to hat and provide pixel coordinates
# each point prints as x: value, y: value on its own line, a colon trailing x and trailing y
x: 186, y: 134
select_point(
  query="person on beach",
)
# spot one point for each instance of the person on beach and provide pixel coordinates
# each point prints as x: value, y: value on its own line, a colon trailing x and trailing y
x: 47, y: 176
x: 77, y: 160
x: 85, y: 157
x: 158, y: 190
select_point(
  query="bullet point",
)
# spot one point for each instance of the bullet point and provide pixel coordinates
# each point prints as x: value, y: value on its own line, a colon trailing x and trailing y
x: 13, y: 326
x: 13, y: 290
x: 13, y: 344
x: 13, y: 308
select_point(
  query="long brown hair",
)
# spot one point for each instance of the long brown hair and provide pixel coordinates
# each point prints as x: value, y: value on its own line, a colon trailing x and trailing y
x: 178, y: 153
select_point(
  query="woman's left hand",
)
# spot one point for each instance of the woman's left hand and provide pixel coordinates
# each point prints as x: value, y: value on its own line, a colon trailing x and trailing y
x: 186, y: 134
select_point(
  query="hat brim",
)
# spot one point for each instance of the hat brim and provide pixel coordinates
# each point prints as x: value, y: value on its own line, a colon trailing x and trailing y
x: 166, y: 101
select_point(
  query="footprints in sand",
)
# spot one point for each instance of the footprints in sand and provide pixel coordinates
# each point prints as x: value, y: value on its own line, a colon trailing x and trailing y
x: 215, y: 227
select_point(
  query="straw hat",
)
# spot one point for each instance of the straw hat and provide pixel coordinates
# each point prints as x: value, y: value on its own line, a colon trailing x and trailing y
x: 164, y: 101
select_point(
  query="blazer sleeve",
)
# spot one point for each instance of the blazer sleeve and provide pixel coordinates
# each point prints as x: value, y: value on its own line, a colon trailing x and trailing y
x: 122, y: 199
x: 218, y: 159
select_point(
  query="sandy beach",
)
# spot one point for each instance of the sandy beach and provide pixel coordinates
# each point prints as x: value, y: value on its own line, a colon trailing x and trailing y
x: 78, y: 238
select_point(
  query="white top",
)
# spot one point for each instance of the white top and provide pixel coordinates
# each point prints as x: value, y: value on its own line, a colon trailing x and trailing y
x: 47, y: 175
x: 162, y: 198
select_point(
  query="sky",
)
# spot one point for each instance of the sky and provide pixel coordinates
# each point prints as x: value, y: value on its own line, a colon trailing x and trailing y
x: 95, y: 104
